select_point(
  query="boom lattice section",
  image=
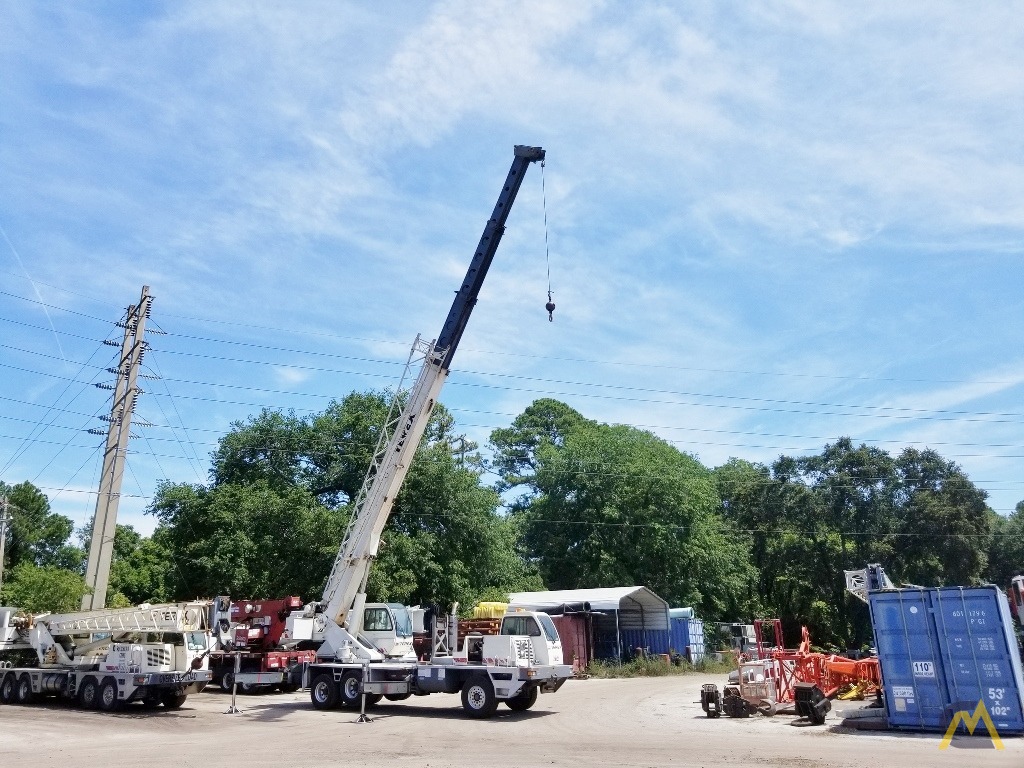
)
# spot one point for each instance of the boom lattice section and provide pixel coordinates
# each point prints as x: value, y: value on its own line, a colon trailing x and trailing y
x: 349, y: 554
x: 187, y: 617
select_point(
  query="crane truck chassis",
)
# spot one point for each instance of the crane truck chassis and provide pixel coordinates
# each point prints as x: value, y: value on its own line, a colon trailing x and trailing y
x: 106, y: 658
x: 513, y: 667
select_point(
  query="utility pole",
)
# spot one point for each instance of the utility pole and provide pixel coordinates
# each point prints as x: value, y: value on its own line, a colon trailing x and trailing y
x: 4, y: 520
x: 104, y: 524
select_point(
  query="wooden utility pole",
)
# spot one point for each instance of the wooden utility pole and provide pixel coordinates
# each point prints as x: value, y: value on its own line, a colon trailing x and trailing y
x: 104, y: 524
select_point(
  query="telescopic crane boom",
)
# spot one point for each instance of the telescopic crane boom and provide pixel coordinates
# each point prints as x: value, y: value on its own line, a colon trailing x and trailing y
x: 345, y: 592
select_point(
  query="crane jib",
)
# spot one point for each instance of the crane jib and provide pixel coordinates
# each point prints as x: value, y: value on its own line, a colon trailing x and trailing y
x: 465, y: 299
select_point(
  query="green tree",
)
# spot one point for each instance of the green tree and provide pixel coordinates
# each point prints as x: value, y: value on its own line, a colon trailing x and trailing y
x: 267, y: 448
x: 247, y: 541
x: 944, y: 524
x: 544, y: 422
x: 445, y: 541
x: 1006, y: 551
x: 37, y: 535
x: 39, y: 589
x: 614, y: 505
x: 270, y: 522
x: 793, y: 546
x: 812, y: 517
x: 139, y: 569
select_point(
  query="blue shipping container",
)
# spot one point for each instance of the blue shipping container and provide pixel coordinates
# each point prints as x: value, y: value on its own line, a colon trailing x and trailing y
x: 653, y: 641
x: 687, y: 638
x: 943, y: 650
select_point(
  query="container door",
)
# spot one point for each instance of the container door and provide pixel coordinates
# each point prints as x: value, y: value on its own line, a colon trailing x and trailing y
x: 696, y: 640
x: 912, y: 674
x: 680, y: 636
x: 979, y: 653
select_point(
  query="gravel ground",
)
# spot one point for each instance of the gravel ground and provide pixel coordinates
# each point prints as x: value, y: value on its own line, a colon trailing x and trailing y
x: 632, y: 722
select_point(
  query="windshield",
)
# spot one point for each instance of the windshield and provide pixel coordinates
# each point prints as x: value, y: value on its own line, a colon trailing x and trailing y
x: 549, y: 627
x: 377, y: 620
x: 403, y: 621
x: 520, y: 626
x: 196, y: 641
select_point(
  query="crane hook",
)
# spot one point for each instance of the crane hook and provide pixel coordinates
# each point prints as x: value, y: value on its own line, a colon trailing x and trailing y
x: 550, y: 307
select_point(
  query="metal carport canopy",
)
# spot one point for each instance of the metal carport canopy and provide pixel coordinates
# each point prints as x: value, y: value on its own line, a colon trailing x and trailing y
x: 637, y: 607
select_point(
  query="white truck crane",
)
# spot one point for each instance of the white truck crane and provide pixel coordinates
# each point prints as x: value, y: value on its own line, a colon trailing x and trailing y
x: 105, y: 658
x: 514, y: 666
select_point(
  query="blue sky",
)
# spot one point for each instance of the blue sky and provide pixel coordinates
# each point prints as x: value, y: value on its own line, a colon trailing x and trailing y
x: 770, y: 224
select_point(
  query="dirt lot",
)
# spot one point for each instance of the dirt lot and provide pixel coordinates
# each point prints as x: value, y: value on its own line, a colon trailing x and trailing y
x: 638, y: 722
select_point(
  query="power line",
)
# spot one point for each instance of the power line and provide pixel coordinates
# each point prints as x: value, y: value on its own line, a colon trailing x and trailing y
x: 500, y: 353
x: 886, y: 412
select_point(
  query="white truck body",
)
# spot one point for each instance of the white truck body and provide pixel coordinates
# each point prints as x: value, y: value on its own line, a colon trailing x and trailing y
x: 155, y: 654
x: 485, y: 669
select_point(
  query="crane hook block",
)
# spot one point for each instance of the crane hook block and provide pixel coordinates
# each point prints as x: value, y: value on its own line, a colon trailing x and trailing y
x: 550, y: 307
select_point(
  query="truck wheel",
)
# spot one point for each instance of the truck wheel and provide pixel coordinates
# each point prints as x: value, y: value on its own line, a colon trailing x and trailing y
x: 323, y: 692
x: 151, y: 701
x: 523, y: 700
x: 173, y: 699
x: 397, y: 696
x: 478, y: 697
x: 107, y: 698
x: 227, y: 681
x: 88, y: 693
x: 289, y: 687
x: 349, y: 694
x: 7, y: 686
x: 23, y: 693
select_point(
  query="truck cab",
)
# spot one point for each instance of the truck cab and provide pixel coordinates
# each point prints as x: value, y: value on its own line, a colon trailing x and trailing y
x: 389, y: 628
x: 525, y: 638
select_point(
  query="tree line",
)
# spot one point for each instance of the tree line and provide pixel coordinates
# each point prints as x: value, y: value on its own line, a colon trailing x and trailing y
x: 562, y: 502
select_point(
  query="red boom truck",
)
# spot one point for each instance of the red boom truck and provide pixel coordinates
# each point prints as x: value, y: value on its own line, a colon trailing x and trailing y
x: 256, y: 632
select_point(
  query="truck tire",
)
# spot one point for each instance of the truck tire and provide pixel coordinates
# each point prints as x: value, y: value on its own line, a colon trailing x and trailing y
x: 23, y: 693
x: 523, y: 700
x: 88, y: 693
x: 107, y: 697
x: 478, y: 697
x: 397, y: 696
x: 7, y: 686
x: 324, y: 692
x: 227, y: 681
x: 349, y: 694
x: 151, y: 701
x: 173, y: 699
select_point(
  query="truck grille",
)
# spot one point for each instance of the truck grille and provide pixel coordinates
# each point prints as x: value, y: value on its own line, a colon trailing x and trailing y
x: 524, y: 649
x: 158, y: 657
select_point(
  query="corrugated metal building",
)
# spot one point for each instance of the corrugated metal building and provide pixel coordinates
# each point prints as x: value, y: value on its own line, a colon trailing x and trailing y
x: 621, y: 618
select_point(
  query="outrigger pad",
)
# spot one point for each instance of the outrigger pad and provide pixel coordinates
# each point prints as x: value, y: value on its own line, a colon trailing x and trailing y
x: 811, y: 702
x: 711, y: 700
